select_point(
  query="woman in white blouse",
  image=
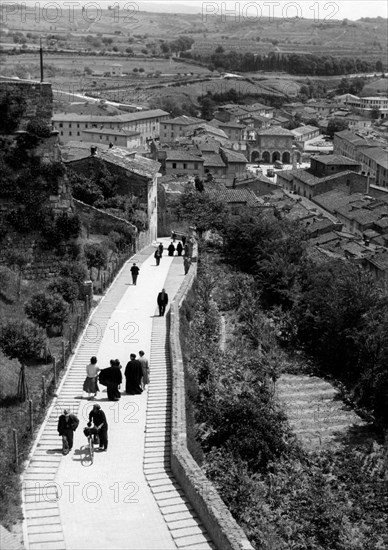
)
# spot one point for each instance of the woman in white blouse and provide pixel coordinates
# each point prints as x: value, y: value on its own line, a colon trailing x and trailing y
x: 90, y: 384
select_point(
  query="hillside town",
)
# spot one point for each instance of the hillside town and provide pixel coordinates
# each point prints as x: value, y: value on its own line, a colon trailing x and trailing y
x: 193, y: 281
x: 337, y: 186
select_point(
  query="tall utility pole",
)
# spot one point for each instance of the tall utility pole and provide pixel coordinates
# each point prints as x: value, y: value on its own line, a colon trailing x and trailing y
x: 41, y: 61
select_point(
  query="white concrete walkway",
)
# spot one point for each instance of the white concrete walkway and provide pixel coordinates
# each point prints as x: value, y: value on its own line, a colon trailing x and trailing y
x: 127, y: 498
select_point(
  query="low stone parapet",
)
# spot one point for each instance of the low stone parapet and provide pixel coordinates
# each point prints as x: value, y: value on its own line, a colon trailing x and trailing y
x: 224, y: 531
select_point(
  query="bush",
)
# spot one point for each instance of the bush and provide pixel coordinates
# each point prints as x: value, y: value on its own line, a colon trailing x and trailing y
x: 76, y: 271
x: 48, y: 310
x: 5, y: 281
x: 66, y: 287
x: 22, y: 340
x: 38, y: 128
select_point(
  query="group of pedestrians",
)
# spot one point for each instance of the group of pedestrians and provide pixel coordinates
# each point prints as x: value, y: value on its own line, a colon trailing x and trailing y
x: 137, y: 372
x: 137, y: 377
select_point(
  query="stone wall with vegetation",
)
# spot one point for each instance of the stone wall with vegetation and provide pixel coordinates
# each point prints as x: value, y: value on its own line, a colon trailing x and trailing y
x: 29, y: 101
x: 217, y: 519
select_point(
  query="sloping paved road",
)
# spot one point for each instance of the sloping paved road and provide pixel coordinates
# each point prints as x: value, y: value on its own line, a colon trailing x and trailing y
x: 126, y: 499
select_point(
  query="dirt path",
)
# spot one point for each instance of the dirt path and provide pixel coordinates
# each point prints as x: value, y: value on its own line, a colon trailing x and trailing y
x: 317, y: 414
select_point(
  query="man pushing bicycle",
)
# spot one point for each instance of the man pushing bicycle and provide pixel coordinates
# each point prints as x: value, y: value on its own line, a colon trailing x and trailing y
x: 97, y: 416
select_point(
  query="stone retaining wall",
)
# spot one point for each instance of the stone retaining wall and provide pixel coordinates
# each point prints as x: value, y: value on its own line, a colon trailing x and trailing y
x: 215, y: 516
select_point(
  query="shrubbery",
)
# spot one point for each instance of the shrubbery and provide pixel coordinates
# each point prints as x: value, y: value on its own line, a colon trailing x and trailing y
x: 65, y: 287
x: 281, y: 496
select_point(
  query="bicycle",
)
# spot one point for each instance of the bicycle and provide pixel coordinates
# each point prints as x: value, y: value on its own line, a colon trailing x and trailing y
x: 92, y: 435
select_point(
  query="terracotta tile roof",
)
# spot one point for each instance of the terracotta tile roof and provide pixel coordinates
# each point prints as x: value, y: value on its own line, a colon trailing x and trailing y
x: 209, y: 128
x: 380, y: 260
x: 380, y: 156
x: 111, y: 131
x: 233, y: 195
x: 336, y: 159
x: 132, y: 162
x: 233, y: 156
x: 302, y: 130
x: 128, y: 117
x: 181, y: 154
x: 77, y: 150
x: 275, y: 131
x: 219, y: 124
x: 213, y: 160
x: 184, y: 120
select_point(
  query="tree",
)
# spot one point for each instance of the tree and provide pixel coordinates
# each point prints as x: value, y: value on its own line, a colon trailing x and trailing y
x: 375, y: 113
x: 96, y: 256
x: 202, y: 210
x: 24, y: 341
x: 335, y: 299
x: 207, y: 108
x: 336, y: 125
x: 47, y: 310
x: 18, y: 261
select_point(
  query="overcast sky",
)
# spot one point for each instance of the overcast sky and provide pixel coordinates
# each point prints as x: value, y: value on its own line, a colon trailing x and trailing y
x: 340, y: 9
x: 309, y: 9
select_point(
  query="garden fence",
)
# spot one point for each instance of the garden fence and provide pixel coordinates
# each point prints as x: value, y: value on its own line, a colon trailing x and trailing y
x: 28, y: 415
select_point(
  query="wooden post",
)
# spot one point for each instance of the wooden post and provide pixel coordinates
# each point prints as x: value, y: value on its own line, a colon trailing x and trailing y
x: 31, y: 411
x: 63, y: 353
x: 55, y: 372
x: 44, y: 390
x: 103, y: 281
x: 16, y: 447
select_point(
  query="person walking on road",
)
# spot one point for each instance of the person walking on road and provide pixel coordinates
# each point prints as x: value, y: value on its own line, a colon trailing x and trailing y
x: 145, y: 368
x: 98, y: 417
x: 162, y: 302
x: 112, y: 378
x: 157, y: 256
x: 161, y: 248
x: 179, y: 248
x: 90, y: 383
x: 171, y: 250
x: 67, y: 424
x: 133, y: 375
x: 135, y: 272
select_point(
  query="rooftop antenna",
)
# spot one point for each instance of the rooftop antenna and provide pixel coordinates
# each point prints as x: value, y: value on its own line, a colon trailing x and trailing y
x: 41, y: 61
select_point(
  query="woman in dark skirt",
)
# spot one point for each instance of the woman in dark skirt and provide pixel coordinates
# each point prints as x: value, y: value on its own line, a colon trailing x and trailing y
x: 90, y: 383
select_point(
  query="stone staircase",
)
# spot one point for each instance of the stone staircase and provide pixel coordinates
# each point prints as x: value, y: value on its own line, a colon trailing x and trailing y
x: 316, y: 414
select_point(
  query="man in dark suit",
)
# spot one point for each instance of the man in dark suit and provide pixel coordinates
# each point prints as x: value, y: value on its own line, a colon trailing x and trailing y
x: 67, y: 424
x: 98, y: 417
x: 162, y: 302
x: 135, y: 272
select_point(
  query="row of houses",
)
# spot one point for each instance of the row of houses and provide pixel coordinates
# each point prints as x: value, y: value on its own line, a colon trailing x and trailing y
x: 117, y: 129
x: 370, y: 152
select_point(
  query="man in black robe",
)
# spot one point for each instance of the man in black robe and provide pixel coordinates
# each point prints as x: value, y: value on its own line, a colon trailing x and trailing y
x: 98, y: 417
x: 112, y: 378
x: 133, y: 375
x: 171, y: 250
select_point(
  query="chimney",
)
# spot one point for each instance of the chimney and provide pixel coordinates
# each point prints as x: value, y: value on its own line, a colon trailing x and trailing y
x: 93, y: 151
